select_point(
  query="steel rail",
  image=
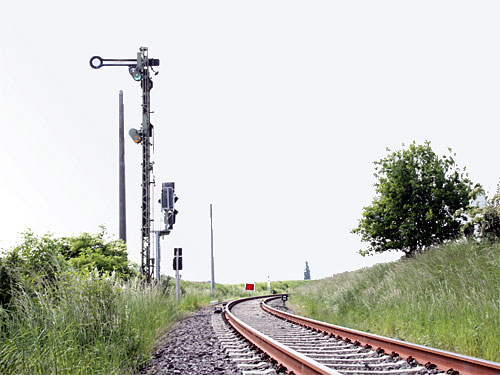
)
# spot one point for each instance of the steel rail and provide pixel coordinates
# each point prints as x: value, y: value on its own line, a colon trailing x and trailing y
x: 284, y: 356
x: 444, y: 360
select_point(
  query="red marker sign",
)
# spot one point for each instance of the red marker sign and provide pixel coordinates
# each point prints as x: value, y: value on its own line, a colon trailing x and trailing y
x: 250, y: 286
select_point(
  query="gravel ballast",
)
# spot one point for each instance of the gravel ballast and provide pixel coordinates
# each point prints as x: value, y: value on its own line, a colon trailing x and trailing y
x: 191, y: 347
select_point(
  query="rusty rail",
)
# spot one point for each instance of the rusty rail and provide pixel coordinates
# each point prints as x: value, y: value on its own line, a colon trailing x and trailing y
x: 285, y: 356
x: 444, y: 360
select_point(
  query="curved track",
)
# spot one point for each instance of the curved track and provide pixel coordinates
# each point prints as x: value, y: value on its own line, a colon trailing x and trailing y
x: 305, y: 346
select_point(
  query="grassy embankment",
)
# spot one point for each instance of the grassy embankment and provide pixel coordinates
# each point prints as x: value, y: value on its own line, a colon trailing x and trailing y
x: 448, y: 298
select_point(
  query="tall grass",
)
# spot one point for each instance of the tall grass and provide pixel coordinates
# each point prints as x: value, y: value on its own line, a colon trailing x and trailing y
x: 447, y: 297
x: 85, y: 324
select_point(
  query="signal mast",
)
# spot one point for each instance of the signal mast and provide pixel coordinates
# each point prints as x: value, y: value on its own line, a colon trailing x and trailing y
x: 139, y: 69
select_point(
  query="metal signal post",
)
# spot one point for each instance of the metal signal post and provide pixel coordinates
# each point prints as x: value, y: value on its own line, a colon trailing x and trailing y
x: 146, y: 133
x: 139, y: 69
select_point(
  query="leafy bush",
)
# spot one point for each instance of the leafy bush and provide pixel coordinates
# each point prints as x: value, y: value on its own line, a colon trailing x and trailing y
x: 485, y: 220
x: 419, y: 203
x: 41, y: 259
x: 36, y: 260
x: 88, y: 251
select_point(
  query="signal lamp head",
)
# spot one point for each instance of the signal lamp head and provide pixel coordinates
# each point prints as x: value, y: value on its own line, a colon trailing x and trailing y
x: 135, y: 135
x: 135, y: 73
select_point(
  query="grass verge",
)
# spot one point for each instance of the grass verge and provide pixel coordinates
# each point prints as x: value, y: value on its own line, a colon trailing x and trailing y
x: 84, y: 323
x: 447, y: 297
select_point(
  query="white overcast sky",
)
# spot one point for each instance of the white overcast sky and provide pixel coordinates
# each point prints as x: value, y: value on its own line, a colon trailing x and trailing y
x: 274, y: 111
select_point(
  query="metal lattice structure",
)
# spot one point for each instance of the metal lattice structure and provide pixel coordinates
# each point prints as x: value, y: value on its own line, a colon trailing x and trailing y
x: 140, y: 69
x: 147, y: 167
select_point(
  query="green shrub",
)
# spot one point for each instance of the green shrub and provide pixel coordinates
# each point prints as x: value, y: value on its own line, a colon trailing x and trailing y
x: 484, y: 221
x: 42, y: 258
x: 88, y: 251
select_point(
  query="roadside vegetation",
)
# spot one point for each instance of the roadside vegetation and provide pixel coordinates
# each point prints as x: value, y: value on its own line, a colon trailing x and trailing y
x: 77, y: 306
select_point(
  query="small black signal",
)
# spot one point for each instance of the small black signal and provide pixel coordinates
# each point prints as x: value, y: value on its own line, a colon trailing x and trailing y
x: 177, y: 263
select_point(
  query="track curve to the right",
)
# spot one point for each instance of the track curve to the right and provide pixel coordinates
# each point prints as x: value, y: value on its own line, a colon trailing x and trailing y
x: 305, y: 346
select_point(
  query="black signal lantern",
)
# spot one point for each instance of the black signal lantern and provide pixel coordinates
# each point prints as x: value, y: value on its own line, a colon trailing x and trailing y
x: 168, y: 196
x: 177, y: 263
x: 168, y: 200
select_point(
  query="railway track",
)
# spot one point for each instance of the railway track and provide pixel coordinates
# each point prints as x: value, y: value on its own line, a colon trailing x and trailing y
x: 265, y: 340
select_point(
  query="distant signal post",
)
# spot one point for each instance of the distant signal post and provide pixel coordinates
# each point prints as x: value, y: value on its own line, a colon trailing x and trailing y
x: 212, y: 281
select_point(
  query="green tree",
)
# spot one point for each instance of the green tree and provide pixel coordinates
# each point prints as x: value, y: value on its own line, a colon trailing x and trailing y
x: 420, y: 201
